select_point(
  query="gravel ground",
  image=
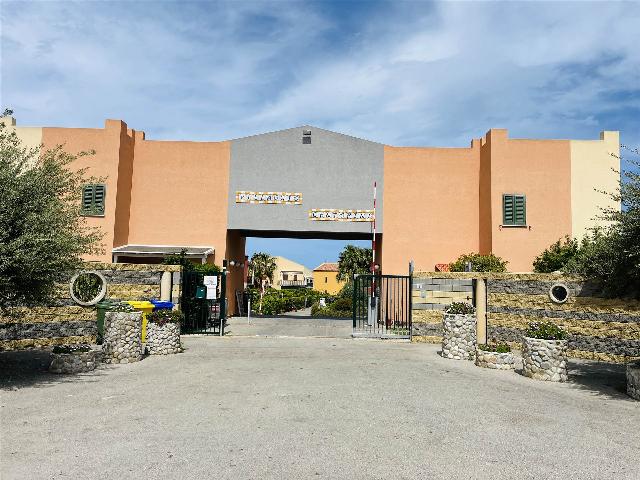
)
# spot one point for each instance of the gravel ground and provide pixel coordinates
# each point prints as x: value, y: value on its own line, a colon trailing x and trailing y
x: 285, y: 408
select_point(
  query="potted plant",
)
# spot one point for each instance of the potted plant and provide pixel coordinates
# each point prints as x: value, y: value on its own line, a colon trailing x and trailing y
x: 544, y: 352
x: 495, y: 355
x: 459, y: 331
x: 74, y: 358
x: 163, y: 332
x: 122, y: 342
x: 633, y: 379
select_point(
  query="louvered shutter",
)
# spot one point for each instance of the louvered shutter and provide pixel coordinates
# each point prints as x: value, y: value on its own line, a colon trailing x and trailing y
x: 520, y: 210
x: 87, y: 199
x: 98, y: 199
x: 508, y: 209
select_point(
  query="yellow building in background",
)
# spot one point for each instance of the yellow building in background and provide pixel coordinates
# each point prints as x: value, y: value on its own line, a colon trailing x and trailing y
x: 325, y: 278
x: 290, y: 274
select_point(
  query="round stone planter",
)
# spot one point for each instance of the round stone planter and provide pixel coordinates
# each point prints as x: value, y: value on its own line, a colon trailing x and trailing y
x: 633, y: 380
x: 495, y: 360
x: 544, y: 359
x: 122, y: 341
x: 76, y: 362
x: 163, y: 339
x: 459, y: 336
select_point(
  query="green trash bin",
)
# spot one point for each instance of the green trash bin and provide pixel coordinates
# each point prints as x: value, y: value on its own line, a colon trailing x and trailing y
x: 101, y: 307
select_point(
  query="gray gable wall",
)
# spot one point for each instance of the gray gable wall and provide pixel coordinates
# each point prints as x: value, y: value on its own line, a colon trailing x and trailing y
x: 334, y: 171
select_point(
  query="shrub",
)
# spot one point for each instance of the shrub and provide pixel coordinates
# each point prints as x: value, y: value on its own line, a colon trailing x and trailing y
x: 479, y: 263
x: 121, y: 307
x: 495, y: 347
x: 162, y: 317
x: 556, y: 256
x: 78, y: 348
x: 460, y: 308
x: 545, y: 331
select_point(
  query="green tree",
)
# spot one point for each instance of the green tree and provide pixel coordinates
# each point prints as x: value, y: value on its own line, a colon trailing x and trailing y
x: 42, y: 234
x: 556, y: 256
x: 479, y: 263
x: 353, y: 260
x: 262, y: 267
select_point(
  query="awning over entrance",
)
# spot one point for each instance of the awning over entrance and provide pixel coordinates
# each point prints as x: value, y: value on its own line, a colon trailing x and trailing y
x: 159, y: 251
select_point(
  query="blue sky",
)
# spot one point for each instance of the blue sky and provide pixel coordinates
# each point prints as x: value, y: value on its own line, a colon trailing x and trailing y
x: 401, y: 73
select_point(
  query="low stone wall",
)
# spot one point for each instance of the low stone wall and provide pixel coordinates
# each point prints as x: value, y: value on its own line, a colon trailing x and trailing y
x: 599, y: 328
x: 122, y: 337
x: 495, y: 360
x: 544, y: 359
x: 64, y: 322
x: 459, y: 336
x: 75, y: 362
x: 633, y: 380
x: 163, y: 339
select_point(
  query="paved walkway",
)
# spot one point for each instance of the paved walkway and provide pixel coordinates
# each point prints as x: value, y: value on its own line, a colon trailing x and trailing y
x: 289, y: 325
x: 289, y: 408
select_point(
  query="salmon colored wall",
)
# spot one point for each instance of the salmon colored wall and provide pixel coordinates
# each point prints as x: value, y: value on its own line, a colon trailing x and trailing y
x: 125, y: 176
x: 484, y: 200
x: 106, y: 143
x: 430, y: 206
x: 235, y: 248
x: 179, y: 194
x: 540, y: 169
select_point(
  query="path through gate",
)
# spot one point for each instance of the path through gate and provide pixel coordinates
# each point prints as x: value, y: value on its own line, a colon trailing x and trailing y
x: 204, y: 302
x: 382, y: 306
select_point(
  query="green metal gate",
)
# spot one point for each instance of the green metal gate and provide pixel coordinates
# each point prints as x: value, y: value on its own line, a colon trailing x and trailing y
x: 202, y: 314
x: 382, y: 306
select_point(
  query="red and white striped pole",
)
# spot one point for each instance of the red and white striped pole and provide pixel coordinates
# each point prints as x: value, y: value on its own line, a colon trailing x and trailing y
x: 373, y: 240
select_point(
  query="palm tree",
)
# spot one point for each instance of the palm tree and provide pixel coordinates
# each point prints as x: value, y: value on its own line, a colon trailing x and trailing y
x: 262, y: 267
x: 353, y: 260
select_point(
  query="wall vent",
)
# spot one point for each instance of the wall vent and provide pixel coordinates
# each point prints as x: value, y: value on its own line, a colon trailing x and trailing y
x: 306, y: 137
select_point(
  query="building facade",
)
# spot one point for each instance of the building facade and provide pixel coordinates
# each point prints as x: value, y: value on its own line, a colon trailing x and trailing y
x: 325, y: 278
x: 512, y: 197
x: 290, y: 274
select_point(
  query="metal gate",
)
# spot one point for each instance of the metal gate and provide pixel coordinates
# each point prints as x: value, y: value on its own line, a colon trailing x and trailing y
x: 202, y: 314
x: 382, y: 306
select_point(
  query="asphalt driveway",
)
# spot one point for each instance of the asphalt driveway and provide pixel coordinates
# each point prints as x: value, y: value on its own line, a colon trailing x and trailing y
x: 259, y: 408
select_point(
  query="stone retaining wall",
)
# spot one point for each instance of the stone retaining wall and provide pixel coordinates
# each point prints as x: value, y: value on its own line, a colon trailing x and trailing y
x: 163, y: 339
x: 633, y: 380
x: 65, y: 322
x: 122, y: 337
x: 495, y: 360
x: 599, y: 328
x: 75, y: 362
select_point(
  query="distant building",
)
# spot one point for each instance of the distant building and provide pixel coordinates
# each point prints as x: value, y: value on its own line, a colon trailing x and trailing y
x: 290, y: 274
x: 325, y: 278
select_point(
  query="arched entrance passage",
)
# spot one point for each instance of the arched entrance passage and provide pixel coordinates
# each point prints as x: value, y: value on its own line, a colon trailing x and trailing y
x: 236, y: 252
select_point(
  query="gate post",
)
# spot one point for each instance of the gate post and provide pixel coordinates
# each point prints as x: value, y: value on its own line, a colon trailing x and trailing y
x: 481, y: 309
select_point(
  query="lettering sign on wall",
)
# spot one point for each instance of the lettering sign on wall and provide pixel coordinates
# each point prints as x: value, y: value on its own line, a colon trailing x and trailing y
x: 339, y: 215
x: 287, y: 198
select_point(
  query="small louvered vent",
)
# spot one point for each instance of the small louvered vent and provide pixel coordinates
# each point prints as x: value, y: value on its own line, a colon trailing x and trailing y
x: 306, y: 137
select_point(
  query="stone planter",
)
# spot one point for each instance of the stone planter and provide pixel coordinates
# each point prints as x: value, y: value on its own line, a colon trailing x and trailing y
x: 122, y: 337
x: 495, y: 360
x: 163, y: 339
x: 633, y: 380
x: 459, y: 336
x: 77, y: 362
x: 544, y: 359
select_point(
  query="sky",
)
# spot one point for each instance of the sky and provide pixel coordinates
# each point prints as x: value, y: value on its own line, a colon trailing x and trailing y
x: 399, y: 73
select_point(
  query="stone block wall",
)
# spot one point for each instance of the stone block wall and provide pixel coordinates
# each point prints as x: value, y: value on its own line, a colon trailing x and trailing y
x: 65, y: 322
x: 432, y: 293
x: 599, y: 328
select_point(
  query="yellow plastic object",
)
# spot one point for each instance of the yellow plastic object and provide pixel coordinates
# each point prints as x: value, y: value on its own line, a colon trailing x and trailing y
x: 145, y: 307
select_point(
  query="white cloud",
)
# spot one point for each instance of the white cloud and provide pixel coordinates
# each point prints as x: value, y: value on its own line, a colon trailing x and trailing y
x: 415, y: 73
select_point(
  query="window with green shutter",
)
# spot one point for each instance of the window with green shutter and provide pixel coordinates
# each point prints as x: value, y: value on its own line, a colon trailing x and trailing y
x: 514, y: 210
x: 93, y: 198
